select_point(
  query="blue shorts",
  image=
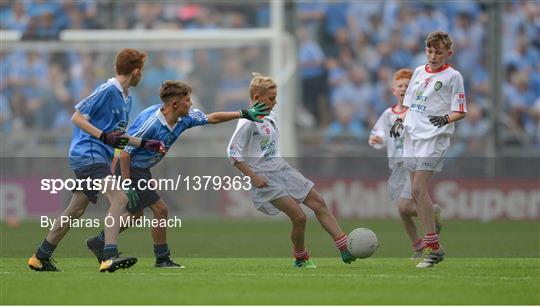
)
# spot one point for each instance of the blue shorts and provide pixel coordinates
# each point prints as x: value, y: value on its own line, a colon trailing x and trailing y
x: 146, y: 197
x: 94, y: 171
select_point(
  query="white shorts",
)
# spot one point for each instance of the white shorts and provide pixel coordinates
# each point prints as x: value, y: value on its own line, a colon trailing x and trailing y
x: 286, y: 181
x: 399, y: 183
x: 425, y: 155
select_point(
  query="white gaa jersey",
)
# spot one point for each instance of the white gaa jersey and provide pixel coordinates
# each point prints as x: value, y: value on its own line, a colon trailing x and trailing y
x: 256, y: 144
x: 433, y: 93
x: 394, y: 146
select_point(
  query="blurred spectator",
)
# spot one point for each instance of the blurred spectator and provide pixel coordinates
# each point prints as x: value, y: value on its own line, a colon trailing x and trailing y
x: 311, y: 14
x: 148, y: 16
x: 17, y: 19
x: 5, y: 114
x: 232, y: 93
x: 519, y: 98
x: 158, y: 70
x: 312, y: 71
x: 471, y: 134
x: 345, y: 126
x: 357, y: 92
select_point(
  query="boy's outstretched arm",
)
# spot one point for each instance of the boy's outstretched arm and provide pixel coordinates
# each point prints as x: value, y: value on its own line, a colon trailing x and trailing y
x: 220, y: 117
x: 252, y: 114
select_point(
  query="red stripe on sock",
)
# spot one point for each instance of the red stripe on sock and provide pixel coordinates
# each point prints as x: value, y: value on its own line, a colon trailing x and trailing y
x: 341, y: 243
x: 300, y: 255
x: 418, y: 245
x: 431, y: 240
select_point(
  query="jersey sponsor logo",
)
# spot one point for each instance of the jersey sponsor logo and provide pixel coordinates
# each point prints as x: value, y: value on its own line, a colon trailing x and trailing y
x: 420, y: 100
x: 418, y: 107
x: 438, y: 85
x: 269, y: 148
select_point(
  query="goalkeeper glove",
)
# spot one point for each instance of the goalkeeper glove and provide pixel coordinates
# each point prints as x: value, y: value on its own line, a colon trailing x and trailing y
x: 439, y: 121
x: 153, y: 145
x: 133, y: 198
x: 114, y: 139
x: 397, y: 127
x: 258, y: 109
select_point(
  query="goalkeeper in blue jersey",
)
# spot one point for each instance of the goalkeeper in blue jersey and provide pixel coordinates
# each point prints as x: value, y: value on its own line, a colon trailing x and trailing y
x: 165, y: 122
x: 100, y: 121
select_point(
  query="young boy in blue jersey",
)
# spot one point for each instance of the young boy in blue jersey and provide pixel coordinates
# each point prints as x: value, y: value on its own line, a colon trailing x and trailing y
x: 100, y: 121
x: 165, y: 122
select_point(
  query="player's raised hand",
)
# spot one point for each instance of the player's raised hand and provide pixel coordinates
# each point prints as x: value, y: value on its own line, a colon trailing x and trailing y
x: 153, y: 145
x: 439, y: 121
x: 258, y: 109
x: 116, y: 139
x: 397, y: 127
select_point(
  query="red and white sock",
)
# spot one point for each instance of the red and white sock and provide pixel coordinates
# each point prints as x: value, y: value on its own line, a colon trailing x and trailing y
x: 300, y: 255
x: 418, y: 245
x: 432, y: 240
x: 341, y: 243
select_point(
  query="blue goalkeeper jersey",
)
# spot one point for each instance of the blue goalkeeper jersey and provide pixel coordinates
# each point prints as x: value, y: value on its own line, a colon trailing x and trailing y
x: 107, y: 109
x: 151, y: 124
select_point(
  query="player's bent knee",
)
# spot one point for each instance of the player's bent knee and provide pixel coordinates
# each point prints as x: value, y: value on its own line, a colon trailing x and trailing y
x: 300, y: 218
x: 403, y: 210
x: 161, y: 211
x: 117, y: 198
x: 417, y: 192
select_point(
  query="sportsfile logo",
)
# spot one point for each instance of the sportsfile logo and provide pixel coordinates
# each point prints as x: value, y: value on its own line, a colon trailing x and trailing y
x: 112, y: 183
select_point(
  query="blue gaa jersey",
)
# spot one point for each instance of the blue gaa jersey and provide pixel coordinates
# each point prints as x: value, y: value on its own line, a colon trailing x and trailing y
x: 152, y: 125
x: 107, y: 109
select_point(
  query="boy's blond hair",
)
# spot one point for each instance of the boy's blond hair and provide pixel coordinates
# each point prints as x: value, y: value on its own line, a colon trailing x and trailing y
x: 435, y: 39
x: 403, y: 73
x: 172, y: 88
x: 260, y: 84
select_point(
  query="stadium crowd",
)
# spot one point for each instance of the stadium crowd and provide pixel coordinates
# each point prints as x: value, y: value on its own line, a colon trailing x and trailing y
x: 347, y: 53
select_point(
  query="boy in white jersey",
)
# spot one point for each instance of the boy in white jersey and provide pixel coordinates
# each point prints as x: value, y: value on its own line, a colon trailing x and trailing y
x: 276, y: 186
x: 436, y: 99
x: 399, y: 183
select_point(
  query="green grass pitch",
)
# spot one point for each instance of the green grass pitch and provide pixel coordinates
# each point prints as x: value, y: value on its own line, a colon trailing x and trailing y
x: 248, y: 262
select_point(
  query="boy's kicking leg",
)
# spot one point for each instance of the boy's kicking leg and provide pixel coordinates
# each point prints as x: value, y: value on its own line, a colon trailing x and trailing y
x: 327, y: 220
x: 292, y: 209
x: 41, y: 259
